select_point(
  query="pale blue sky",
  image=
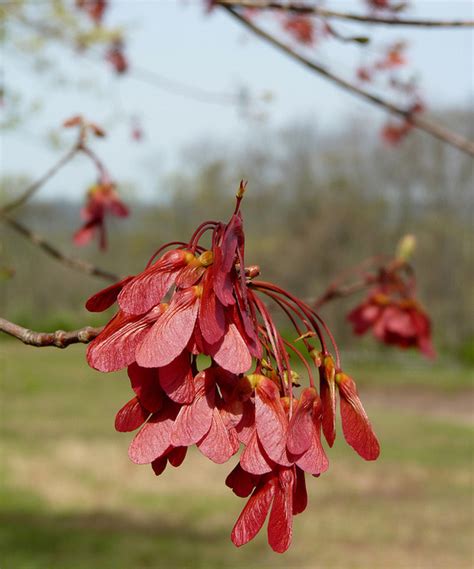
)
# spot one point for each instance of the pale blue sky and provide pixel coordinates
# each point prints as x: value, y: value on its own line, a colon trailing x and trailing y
x: 179, y: 41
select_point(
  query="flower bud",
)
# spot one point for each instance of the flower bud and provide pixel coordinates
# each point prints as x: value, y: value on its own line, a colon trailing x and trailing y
x: 254, y: 379
x: 406, y: 247
x: 241, y: 191
x: 206, y: 258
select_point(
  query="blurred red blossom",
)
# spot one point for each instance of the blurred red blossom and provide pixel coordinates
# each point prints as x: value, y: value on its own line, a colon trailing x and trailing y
x: 115, y: 55
x: 395, y: 56
x: 95, y: 9
x: 364, y: 74
x: 136, y: 131
x: 393, y: 320
x: 191, y: 301
x: 102, y: 199
x: 84, y: 126
x: 301, y: 28
x: 389, y: 5
x: 395, y: 131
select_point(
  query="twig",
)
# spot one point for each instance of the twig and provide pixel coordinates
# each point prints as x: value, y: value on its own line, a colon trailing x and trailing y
x: 35, y: 186
x: 58, y: 339
x: 144, y: 75
x: 333, y: 292
x: 302, y: 8
x: 72, y: 262
x: 434, y: 129
x: 185, y: 90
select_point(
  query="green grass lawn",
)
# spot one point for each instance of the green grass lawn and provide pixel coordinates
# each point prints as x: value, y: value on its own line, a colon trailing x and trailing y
x: 72, y: 500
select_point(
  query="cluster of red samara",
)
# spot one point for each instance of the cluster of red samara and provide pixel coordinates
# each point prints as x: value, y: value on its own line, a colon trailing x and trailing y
x: 395, y: 317
x: 102, y: 199
x: 245, y: 396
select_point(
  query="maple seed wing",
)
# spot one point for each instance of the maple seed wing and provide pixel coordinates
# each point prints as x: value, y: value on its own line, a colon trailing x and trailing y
x: 253, y: 515
x: 300, y: 496
x: 145, y: 384
x: 242, y: 483
x: 356, y: 426
x: 171, y: 333
x: 85, y: 233
x: 271, y: 421
x: 216, y: 443
x: 104, y: 299
x: 254, y: 459
x: 280, y: 523
x: 131, y: 416
x: 114, y: 348
x: 176, y: 379
x: 177, y: 456
x: 301, y: 424
x: 149, y: 287
x: 233, y: 354
x: 194, y: 421
x: 159, y: 465
x: 211, y: 312
x: 153, y: 439
x: 328, y: 400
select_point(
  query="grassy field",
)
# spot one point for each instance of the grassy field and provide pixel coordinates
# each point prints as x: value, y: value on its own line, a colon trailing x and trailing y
x: 72, y: 500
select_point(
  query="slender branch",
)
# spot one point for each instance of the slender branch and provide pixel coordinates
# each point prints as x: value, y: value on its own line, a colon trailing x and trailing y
x: 333, y: 292
x: 35, y: 186
x: 303, y: 8
x: 101, y: 169
x: 72, y: 262
x: 434, y: 129
x: 58, y: 339
x: 144, y: 75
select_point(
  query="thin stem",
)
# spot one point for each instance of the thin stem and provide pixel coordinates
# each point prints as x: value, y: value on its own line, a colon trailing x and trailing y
x: 140, y: 74
x: 310, y: 314
x: 286, y: 306
x: 198, y: 234
x: 375, y: 261
x: 275, y: 341
x: 434, y: 129
x: 72, y: 262
x: 104, y: 175
x: 340, y: 292
x: 181, y: 245
x: 205, y: 225
x: 35, y: 186
x: 58, y: 339
x: 303, y: 361
x: 302, y: 307
x: 302, y: 8
x: 331, y: 337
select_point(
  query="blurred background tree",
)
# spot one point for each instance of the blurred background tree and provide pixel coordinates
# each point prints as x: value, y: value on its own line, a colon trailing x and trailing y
x: 317, y: 204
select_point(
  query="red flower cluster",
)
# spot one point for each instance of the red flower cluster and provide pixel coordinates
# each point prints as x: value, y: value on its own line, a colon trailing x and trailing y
x: 194, y: 301
x: 394, y: 319
x: 95, y: 9
x: 136, y: 132
x: 102, y: 198
x: 85, y: 127
x: 393, y: 58
x: 395, y: 131
x: 115, y: 55
x: 301, y: 28
x: 388, y: 5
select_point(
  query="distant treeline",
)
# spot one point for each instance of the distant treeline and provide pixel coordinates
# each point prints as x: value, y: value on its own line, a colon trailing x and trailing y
x: 315, y: 206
